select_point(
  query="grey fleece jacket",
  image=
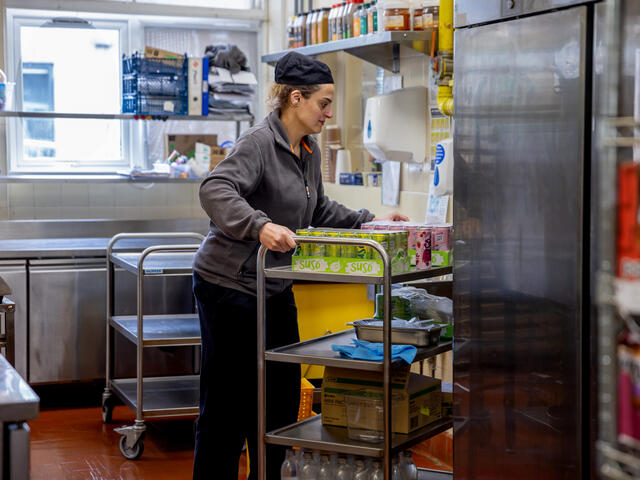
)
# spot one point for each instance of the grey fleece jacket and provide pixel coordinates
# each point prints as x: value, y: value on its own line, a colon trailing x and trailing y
x: 262, y: 181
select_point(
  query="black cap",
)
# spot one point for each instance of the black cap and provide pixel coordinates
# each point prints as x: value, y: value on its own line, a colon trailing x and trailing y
x: 297, y: 69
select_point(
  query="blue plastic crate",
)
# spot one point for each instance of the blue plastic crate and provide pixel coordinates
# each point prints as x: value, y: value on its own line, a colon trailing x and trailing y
x: 154, y: 84
x: 154, y: 105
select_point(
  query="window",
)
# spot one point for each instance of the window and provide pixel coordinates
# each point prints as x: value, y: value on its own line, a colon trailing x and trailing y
x: 71, y: 69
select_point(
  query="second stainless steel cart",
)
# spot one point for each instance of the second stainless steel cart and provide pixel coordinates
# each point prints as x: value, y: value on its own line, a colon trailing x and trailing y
x: 310, y: 433
x: 150, y: 397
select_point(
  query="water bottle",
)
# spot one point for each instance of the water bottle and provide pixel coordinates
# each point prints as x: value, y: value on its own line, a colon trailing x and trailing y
x: 409, y: 467
x: 376, y: 473
x: 309, y: 469
x: 361, y: 472
x: 289, y: 468
x: 344, y: 471
x: 326, y: 469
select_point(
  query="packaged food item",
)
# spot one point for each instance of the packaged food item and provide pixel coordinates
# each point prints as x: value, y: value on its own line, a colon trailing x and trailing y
x: 423, y: 248
x: 412, y: 238
x: 348, y: 19
x: 441, y: 246
x: 396, y: 15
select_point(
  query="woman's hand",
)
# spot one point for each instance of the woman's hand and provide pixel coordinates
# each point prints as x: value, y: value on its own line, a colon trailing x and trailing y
x: 394, y: 217
x: 276, y: 237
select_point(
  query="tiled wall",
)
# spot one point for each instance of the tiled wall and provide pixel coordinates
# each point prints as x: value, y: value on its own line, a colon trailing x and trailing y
x: 46, y: 200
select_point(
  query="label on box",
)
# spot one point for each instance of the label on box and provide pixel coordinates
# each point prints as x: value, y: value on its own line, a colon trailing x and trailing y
x: 440, y: 258
x: 348, y: 266
x: 168, y: 106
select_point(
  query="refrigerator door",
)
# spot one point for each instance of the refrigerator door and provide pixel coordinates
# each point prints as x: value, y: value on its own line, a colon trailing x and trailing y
x: 519, y: 148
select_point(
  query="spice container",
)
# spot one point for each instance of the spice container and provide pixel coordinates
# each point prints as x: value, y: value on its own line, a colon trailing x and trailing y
x: 396, y: 15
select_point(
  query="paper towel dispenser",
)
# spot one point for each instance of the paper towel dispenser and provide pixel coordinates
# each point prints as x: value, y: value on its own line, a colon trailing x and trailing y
x: 396, y: 125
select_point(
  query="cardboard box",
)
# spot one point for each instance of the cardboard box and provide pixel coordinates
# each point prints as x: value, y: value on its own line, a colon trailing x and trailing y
x: 217, y: 155
x: 151, y: 52
x: 185, y: 144
x: 417, y: 399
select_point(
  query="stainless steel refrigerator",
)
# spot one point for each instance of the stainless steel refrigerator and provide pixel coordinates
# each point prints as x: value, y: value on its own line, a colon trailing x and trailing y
x: 523, y: 95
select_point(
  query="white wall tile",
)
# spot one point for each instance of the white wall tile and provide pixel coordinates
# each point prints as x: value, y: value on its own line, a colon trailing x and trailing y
x: 21, y: 195
x: 48, y: 195
x: 4, y: 213
x: 103, y: 196
x: 4, y: 196
x: 102, y: 212
x: 21, y: 213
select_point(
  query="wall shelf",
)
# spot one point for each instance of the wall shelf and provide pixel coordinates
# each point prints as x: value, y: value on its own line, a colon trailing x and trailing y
x: 128, y: 116
x: 382, y: 49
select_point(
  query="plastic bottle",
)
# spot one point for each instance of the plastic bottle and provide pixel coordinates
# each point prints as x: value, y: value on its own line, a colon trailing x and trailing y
x: 355, y: 25
x: 408, y: 466
x: 289, y: 470
x: 372, y: 18
x: 340, y: 21
x: 361, y: 471
x: 348, y: 19
x: 364, y: 19
x: 308, y: 28
x: 290, y: 32
x: 344, y: 470
x: 309, y: 469
x: 376, y: 472
x: 332, y: 14
x: 302, y: 29
x: 323, y: 26
x: 325, y: 472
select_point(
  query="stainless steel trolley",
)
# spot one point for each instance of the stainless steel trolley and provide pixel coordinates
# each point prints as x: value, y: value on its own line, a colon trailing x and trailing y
x: 151, y: 397
x: 310, y: 433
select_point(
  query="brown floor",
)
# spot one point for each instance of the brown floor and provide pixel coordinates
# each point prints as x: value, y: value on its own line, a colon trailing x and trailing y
x: 74, y: 444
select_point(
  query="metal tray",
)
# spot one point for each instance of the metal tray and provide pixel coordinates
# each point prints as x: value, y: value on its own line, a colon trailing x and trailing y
x: 423, y: 335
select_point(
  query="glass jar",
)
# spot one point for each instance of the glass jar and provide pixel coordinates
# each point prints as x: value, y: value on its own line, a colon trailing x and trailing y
x: 417, y: 18
x: 397, y: 16
x: 430, y: 14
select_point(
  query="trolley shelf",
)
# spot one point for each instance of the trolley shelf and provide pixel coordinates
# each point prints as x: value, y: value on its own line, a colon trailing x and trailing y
x: 318, y: 352
x: 286, y: 273
x: 175, y: 263
x: 160, y: 330
x: 162, y: 396
x: 310, y: 433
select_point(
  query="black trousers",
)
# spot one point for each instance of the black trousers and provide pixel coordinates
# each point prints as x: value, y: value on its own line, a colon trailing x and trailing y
x: 229, y: 379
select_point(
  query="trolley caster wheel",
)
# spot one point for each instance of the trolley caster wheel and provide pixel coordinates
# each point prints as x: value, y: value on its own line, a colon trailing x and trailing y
x: 134, y: 452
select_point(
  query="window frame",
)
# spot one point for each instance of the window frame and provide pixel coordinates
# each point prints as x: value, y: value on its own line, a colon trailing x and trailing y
x: 17, y: 164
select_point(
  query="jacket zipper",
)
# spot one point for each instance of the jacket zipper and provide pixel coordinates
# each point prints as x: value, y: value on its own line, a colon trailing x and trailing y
x: 304, y: 170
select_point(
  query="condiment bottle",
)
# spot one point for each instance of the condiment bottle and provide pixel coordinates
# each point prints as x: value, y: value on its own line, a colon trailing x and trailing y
x: 372, y: 18
x: 348, y: 19
x: 290, y: 31
x: 416, y: 14
x: 322, y: 26
x: 340, y: 21
x: 356, y: 21
x: 364, y: 19
x: 307, y: 27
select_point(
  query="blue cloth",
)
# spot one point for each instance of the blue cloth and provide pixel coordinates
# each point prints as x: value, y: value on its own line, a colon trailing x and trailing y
x: 362, y: 350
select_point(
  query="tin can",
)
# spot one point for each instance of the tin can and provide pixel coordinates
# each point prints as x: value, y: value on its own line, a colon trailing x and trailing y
x: 348, y: 251
x: 317, y: 249
x: 368, y: 226
x: 332, y: 250
x: 441, y: 239
x: 423, y: 248
x: 383, y: 239
x: 362, y: 251
x: 303, y: 248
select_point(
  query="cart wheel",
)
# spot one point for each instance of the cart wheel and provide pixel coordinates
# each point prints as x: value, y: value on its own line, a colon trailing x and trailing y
x: 133, y: 453
x: 107, y: 412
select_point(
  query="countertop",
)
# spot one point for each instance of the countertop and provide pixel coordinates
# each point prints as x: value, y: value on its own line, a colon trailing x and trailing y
x: 77, y: 247
x: 17, y: 401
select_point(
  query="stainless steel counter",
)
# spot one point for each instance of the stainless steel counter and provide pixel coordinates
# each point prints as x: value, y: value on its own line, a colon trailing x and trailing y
x: 17, y: 401
x: 74, y: 247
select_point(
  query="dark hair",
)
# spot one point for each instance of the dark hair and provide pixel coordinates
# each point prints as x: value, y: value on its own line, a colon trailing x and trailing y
x: 280, y: 94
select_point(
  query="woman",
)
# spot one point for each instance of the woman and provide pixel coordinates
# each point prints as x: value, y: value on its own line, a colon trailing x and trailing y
x: 269, y: 186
